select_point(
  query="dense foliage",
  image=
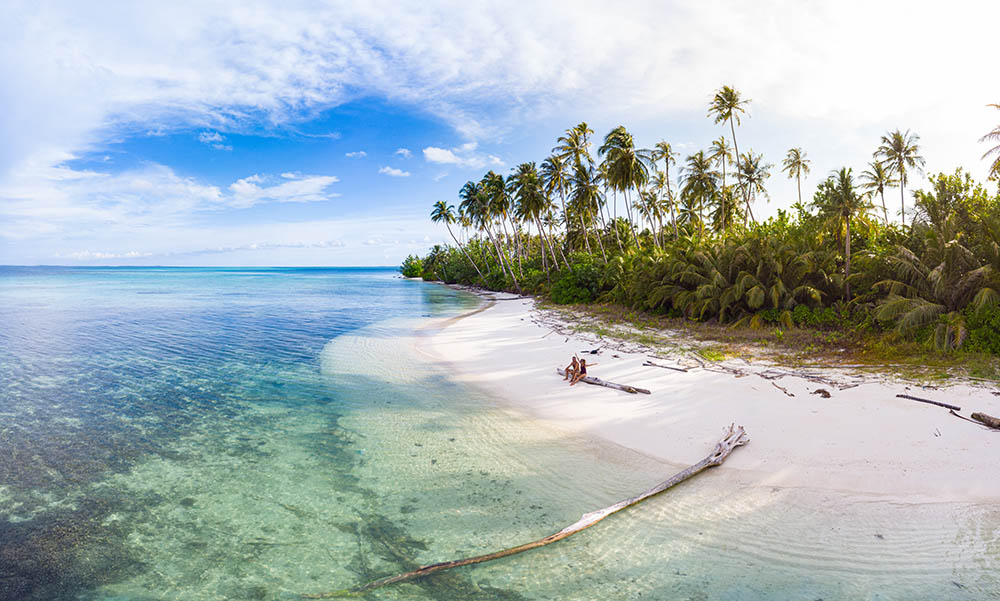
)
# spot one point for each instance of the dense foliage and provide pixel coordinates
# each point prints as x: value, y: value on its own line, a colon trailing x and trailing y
x: 692, y: 248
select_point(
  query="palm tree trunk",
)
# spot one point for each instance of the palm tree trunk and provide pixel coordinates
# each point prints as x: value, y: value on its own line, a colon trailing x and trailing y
x: 562, y: 199
x: 614, y: 218
x: 902, y: 201
x: 885, y: 211
x: 847, y: 263
x: 739, y: 176
x: 628, y: 209
x: 467, y: 255
x: 586, y: 235
x: 798, y: 183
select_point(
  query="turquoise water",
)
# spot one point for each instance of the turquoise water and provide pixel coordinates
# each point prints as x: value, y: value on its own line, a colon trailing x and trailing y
x: 197, y: 434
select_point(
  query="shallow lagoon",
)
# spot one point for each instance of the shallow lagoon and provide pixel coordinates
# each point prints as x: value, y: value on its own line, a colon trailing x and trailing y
x: 255, y: 434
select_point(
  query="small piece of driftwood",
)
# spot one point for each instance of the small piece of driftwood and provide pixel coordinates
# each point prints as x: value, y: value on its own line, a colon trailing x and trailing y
x: 915, y: 398
x: 599, y: 382
x: 651, y: 364
x: 987, y: 420
x: 733, y: 437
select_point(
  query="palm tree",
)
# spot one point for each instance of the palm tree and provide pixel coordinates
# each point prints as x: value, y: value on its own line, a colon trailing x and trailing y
x: 531, y: 201
x: 841, y: 205
x: 586, y: 200
x: 754, y: 172
x: 663, y: 151
x: 726, y: 106
x: 900, y: 152
x: 993, y: 136
x: 554, y: 179
x: 796, y: 165
x: 476, y: 203
x: 876, y: 179
x: 444, y: 212
x: 574, y: 145
x: 626, y: 167
x: 721, y: 154
x: 700, y: 185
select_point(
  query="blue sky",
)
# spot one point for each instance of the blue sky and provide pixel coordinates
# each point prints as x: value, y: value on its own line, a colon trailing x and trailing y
x: 300, y: 133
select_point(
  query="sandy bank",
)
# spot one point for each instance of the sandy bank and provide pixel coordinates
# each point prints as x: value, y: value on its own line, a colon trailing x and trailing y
x: 862, y: 439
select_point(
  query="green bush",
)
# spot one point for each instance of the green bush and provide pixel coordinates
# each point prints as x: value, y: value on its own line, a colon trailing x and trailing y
x: 984, y: 330
x: 412, y: 267
x: 581, y: 283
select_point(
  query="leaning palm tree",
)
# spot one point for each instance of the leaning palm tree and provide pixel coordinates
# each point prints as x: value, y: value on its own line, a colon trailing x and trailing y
x: 726, y: 106
x: 993, y: 136
x: 573, y: 145
x: 899, y: 151
x: 585, y: 199
x: 531, y: 201
x: 796, y: 165
x: 876, y: 179
x: 444, y: 212
x: 626, y: 168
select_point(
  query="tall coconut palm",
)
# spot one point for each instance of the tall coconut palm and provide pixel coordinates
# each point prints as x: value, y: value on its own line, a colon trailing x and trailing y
x: 445, y: 213
x: 727, y: 105
x: 796, y: 165
x: 573, y: 145
x: 476, y: 203
x: 721, y: 154
x: 627, y: 167
x: 993, y: 136
x: 586, y: 200
x: 531, y: 201
x: 699, y: 185
x: 663, y: 151
x: 841, y: 205
x: 877, y: 178
x: 554, y: 179
x: 754, y: 172
x: 900, y: 152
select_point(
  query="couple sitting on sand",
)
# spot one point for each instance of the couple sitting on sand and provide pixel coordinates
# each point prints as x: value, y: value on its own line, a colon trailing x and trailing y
x: 576, y: 370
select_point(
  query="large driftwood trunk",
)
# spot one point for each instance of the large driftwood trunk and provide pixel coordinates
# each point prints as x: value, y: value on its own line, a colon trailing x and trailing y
x: 988, y: 420
x: 733, y: 437
x: 599, y: 382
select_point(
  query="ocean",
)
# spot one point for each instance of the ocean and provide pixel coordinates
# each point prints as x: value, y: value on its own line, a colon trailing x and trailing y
x: 207, y: 433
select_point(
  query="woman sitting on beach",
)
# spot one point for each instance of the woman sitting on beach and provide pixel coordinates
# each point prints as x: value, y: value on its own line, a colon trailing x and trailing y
x: 582, y: 373
x: 571, y: 369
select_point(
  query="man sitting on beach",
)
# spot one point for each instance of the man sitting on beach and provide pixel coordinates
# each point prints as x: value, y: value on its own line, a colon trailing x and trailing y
x: 582, y: 373
x: 571, y: 369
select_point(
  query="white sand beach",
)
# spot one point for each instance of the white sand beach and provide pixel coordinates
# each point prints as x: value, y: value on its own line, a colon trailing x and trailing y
x: 861, y: 440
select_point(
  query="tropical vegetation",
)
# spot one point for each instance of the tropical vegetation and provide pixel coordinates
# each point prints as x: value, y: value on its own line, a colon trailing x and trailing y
x: 653, y: 231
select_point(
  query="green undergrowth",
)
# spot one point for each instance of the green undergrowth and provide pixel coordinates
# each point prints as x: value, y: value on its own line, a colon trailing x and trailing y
x: 859, y: 347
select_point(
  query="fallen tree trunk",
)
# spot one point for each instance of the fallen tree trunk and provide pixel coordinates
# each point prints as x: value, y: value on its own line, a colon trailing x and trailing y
x: 733, y: 437
x: 599, y: 382
x: 916, y: 398
x: 987, y: 420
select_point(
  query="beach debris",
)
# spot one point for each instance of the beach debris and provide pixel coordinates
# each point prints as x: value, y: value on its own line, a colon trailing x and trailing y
x: 733, y: 437
x: 599, y: 382
x: 918, y: 399
x: 651, y: 364
x: 782, y: 389
x: 987, y: 420
x: 596, y: 351
x: 823, y: 392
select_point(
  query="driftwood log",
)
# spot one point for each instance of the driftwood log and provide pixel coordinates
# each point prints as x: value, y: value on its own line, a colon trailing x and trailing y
x: 599, y: 382
x: 939, y: 404
x: 734, y: 436
x: 651, y: 364
x: 987, y: 420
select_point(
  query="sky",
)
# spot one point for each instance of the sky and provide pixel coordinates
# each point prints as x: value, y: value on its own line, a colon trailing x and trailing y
x: 320, y: 133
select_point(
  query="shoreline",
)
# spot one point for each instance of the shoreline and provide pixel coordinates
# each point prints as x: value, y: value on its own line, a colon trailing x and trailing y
x: 861, y: 440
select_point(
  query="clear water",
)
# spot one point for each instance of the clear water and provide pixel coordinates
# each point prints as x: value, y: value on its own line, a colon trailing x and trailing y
x: 197, y: 434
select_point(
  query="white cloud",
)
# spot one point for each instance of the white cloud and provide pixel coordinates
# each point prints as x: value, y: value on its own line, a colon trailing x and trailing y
x: 207, y: 137
x: 356, y: 154
x: 443, y: 156
x: 247, y: 192
x: 404, y: 152
x: 393, y: 172
x: 87, y: 255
